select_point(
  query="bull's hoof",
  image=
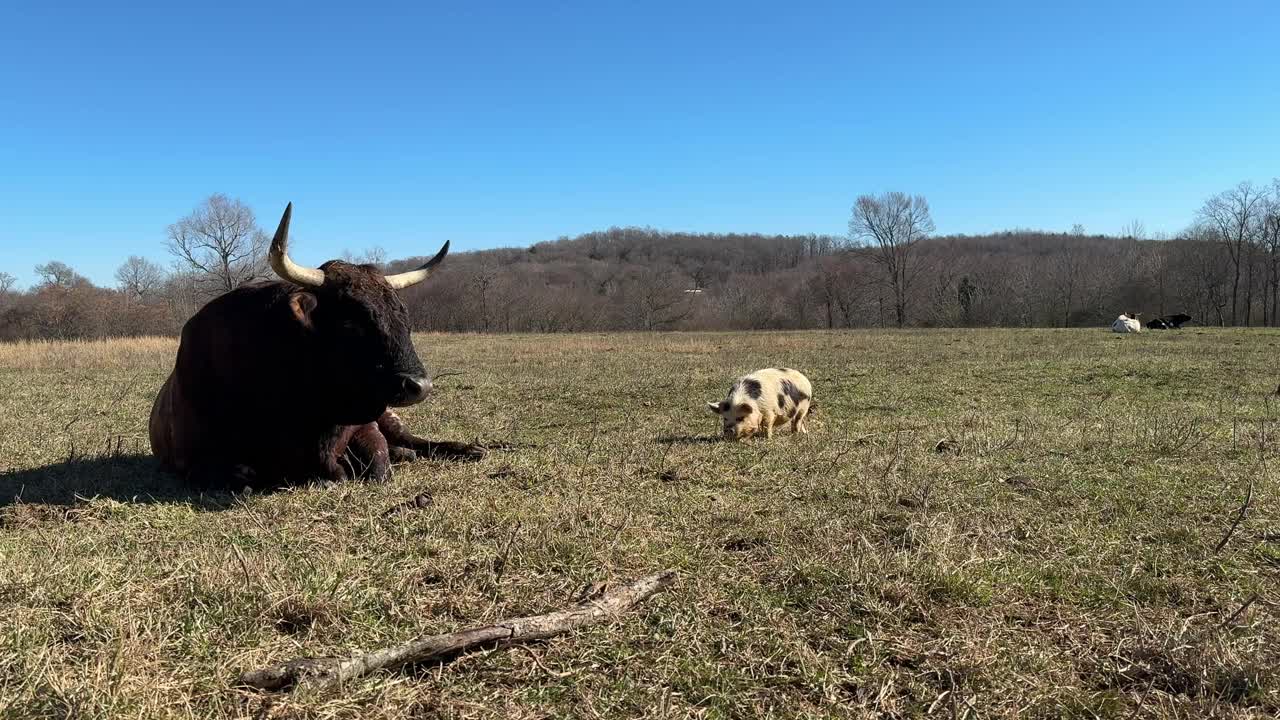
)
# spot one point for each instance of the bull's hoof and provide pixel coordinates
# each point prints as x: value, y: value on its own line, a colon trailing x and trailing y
x: 402, y: 454
x: 464, y: 452
x: 380, y: 473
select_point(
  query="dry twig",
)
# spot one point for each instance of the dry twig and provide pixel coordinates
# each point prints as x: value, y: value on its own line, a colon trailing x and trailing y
x: 1240, y: 611
x: 329, y: 672
x: 1244, y: 510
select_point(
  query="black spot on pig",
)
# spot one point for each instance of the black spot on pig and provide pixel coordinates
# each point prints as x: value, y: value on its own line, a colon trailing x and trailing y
x: 793, y: 392
x: 752, y: 387
x: 782, y: 401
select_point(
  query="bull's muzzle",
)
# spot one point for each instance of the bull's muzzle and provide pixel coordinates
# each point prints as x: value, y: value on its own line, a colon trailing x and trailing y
x: 412, y: 390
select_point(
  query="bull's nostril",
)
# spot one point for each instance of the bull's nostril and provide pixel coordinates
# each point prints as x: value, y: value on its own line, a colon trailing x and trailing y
x: 414, y: 388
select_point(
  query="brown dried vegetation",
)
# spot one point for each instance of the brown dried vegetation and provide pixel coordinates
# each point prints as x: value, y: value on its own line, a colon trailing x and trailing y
x: 1061, y: 564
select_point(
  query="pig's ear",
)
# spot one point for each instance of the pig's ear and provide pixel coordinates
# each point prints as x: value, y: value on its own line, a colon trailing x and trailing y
x: 714, y: 407
x: 745, y: 408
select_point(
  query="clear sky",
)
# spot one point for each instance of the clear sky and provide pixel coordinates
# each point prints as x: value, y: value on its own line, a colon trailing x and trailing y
x: 401, y: 125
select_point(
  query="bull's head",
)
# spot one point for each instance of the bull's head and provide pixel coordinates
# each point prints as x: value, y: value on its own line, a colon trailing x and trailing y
x: 358, y: 329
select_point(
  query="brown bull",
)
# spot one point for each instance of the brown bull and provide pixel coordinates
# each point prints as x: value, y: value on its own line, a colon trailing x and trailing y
x: 293, y: 379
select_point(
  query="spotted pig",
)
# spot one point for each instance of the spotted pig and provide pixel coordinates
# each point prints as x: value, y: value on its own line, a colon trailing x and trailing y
x: 765, y: 398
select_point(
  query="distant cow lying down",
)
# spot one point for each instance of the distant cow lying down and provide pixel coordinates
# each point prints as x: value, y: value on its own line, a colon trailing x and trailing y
x: 294, y: 379
x: 763, y: 399
x: 1169, y: 322
x: 1127, y: 323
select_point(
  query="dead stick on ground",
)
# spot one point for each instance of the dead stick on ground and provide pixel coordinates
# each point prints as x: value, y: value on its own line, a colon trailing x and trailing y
x: 1244, y: 510
x: 328, y: 672
x: 1252, y: 599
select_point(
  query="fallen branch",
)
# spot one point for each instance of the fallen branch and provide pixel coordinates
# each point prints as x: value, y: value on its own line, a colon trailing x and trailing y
x: 1252, y: 599
x: 328, y: 672
x: 1244, y: 510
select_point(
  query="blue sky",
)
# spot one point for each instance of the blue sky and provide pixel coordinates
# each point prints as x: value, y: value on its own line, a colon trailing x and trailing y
x: 401, y: 125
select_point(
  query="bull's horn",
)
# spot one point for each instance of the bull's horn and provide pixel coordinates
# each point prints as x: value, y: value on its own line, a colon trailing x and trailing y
x: 413, y: 277
x: 279, y: 256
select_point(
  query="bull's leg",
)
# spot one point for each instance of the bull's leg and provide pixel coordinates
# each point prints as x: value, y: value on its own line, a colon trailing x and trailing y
x: 332, y: 463
x: 369, y: 454
x: 398, y: 436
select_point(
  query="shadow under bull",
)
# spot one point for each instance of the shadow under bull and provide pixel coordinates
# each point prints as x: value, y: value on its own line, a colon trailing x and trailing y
x: 125, y: 477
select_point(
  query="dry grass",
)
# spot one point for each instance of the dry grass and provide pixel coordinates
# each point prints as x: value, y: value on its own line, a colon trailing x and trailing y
x: 1054, y: 557
x: 87, y: 354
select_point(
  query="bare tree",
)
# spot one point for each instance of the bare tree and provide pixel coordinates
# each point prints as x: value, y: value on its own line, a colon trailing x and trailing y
x: 7, y: 282
x: 67, y: 305
x: 139, y: 278
x: 947, y: 267
x: 967, y: 294
x: 1134, y: 230
x: 222, y: 242
x: 181, y: 296
x: 1077, y: 230
x: 57, y: 274
x: 656, y: 299
x: 896, y: 223
x: 376, y: 255
x: 1269, y: 239
x: 1153, y: 272
x: 1233, y: 217
x: 1200, y: 274
x: 1066, y: 275
x: 839, y: 283
x: 483, y: 283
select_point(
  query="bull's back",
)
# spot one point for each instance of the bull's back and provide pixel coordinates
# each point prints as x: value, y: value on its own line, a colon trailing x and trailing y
x: 161, y: 427
x: 179, y: 439
x: 193, y: 405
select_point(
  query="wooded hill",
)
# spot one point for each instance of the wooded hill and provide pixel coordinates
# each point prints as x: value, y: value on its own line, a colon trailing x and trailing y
x: 1225, y: 270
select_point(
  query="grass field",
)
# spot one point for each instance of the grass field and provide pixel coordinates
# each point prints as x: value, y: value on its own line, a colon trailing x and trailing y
x: 980, y: 524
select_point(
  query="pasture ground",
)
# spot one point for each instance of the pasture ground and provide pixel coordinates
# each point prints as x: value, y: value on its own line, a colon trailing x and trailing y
x: 987, y: 523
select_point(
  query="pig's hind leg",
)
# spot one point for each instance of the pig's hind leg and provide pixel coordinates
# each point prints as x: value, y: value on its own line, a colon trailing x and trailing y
x: 802, y: 412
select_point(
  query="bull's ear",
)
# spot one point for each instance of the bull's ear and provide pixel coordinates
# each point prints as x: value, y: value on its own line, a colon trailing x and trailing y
x: 715, y: 407
x: 302, y: 304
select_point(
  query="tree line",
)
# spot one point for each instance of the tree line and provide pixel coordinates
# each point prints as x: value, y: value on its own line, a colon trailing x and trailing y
x: 891, y: 269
